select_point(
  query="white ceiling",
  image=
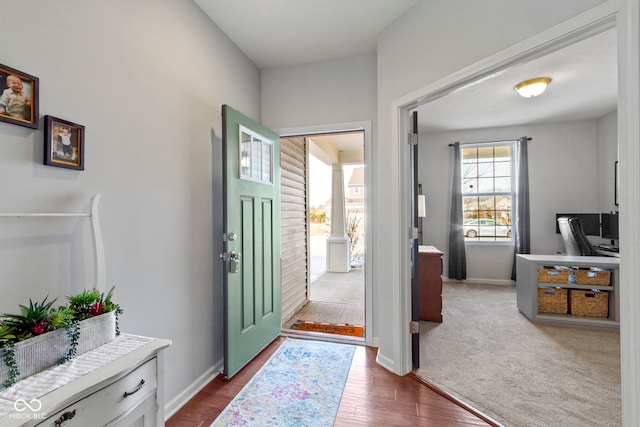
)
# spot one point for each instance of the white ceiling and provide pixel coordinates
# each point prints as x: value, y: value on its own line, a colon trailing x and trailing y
x: 280, y: 33
x: 583, y: 86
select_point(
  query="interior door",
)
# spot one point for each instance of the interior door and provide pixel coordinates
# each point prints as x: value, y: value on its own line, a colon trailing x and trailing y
x: 252, y: 238
x: 415, y: 282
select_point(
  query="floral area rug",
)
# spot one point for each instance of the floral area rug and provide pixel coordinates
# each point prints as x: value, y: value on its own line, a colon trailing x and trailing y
x: 300, y: 385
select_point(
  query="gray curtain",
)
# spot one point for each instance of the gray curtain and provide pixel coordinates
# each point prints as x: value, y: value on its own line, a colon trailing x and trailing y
x: 521, y: 224
x: 457, y: 254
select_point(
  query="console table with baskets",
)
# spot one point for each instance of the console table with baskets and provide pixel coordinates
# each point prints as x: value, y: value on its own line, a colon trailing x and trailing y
x: 566, y: 290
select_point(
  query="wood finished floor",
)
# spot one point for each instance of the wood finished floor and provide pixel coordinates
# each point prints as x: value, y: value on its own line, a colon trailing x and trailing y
x: 372, y: 396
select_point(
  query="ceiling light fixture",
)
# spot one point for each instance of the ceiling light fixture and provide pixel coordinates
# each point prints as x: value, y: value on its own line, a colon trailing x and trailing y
x: 533, y: 87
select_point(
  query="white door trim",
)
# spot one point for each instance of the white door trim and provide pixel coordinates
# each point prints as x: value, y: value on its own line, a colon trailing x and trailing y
x: 626, y: 14
x: 369, y: 331
x: 629, y: 157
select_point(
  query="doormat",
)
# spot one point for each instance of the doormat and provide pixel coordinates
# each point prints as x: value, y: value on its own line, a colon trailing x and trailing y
x: 329, y: 328
x: 300, y: 385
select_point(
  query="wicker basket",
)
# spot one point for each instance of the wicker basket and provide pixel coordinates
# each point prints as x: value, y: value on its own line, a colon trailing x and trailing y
x: 593, y: 277
x: 44, y: 351
x: 589, y: 303
x: 553, y: 300
x: 552, y: 275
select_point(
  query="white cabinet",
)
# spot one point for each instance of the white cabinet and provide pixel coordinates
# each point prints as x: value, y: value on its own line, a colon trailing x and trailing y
x: 124, y: 391
x: 528, y: 283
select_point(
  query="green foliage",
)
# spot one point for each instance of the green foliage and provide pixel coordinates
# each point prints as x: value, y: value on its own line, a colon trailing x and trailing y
x: 119, y: 311
x: 91, y: 303
x: 73, y: 333
x: 59, y: 317
x: 40, y: 317
x: 81, y: 303
x: 6, y: 334
x: 9, y: 359
x: 32, y: 320
x: 108, y: 304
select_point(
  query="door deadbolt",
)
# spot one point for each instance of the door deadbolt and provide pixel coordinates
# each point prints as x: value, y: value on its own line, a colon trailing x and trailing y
x: 234, y: 260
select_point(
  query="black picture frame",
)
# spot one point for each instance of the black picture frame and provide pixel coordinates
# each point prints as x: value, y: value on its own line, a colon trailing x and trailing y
x: 63, y: 143
x: 616, y: 183
x: 19, y: 109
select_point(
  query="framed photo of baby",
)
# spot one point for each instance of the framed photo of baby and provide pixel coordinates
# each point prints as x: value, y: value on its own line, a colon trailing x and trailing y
x: 63, y: 143
x: 18, y: 97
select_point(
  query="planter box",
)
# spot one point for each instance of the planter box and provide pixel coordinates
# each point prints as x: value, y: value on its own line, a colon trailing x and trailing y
x: 44, y: 351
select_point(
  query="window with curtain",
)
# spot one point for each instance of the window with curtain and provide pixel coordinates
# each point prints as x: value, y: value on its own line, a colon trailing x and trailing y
x: 487, y: 192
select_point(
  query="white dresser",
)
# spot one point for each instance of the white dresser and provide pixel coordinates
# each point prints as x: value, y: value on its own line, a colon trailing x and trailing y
x: 118, y: 384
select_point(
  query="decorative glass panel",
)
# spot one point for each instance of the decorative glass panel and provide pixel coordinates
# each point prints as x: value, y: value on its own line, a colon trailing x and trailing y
x: 256, y: 157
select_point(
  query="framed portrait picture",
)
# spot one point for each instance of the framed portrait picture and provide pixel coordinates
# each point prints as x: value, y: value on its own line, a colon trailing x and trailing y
x: 18, y: 97
x: 63, y: 143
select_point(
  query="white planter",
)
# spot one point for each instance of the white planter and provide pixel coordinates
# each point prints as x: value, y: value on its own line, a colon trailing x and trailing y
x: 44, y: 351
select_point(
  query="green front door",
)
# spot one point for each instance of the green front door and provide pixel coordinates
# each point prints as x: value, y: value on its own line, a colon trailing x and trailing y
x: 252, y: 238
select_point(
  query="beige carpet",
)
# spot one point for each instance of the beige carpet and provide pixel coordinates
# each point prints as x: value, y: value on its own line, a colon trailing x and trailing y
x: 523, y: 375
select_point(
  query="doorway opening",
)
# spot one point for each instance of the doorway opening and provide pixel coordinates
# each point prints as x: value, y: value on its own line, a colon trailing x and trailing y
x: 323, y: 234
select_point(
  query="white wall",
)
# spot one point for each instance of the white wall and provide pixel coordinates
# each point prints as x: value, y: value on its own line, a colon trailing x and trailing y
x: 563, y: 162
x: 607, y: 155
x: 146, y: 78
x: 338, y: 91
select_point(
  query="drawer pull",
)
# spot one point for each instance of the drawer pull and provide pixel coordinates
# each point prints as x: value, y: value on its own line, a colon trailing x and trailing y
x: 135, y: 390
x: 64, y: 417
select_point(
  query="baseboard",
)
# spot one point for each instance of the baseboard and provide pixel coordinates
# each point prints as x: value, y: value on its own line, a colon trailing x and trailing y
x: 375, y: 342
x: 472, y: 281
x: 190, y: 391
x: 385, y: 362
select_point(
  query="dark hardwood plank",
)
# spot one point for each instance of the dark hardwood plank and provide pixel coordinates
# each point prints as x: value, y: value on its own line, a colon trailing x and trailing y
x: 372, y: 396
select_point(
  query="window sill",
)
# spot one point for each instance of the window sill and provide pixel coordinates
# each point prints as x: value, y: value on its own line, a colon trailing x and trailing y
x: 489, y: 242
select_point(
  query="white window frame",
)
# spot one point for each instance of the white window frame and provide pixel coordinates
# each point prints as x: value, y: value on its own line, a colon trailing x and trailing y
x: 512, y: 193
x: 252, y: 156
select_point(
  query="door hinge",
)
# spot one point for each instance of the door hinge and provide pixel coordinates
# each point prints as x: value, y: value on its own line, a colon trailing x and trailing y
x: 414, y: 327
x: 413, y: 139
x: 413, y: 233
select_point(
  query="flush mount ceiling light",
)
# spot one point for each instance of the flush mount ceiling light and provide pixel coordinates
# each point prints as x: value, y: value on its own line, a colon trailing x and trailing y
x: 533, y: 87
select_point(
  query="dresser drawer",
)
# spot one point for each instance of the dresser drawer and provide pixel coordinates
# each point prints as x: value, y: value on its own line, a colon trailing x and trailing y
x: 110, y: 402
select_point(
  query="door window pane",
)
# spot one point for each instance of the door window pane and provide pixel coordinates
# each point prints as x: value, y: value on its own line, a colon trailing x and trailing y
x: 256, y: 157
x: 245, y: 155
x: 266, y: 162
